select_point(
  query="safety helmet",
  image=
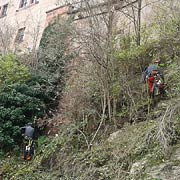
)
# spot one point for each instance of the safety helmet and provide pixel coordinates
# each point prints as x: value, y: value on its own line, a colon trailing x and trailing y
x: 29, y: 124
x: 154, y: 72
x: 157, y: 61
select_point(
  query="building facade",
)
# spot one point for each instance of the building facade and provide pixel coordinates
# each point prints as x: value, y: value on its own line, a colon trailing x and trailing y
x: 22, y: 23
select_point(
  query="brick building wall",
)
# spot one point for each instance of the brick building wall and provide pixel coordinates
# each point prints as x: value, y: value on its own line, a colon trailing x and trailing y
x: 28, y: 19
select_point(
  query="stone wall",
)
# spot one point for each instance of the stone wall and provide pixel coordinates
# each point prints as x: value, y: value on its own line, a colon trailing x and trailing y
x: 32, y: 17
x: 35, y: 17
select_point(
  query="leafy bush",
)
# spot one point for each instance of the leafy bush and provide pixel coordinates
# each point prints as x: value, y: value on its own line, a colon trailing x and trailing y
x: 54, y: 54
x: 22, y: 96
x: 17, y: 108
x: 11, y: 70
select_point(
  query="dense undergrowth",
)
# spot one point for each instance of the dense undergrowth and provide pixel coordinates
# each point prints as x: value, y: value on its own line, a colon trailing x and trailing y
x: 125, y: 142
x: 128, y: 153
x: 31, y: 92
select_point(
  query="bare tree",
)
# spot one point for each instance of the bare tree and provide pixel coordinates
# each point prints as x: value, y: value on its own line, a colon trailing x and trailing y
x: 95, y: 35
x: 6, y: 35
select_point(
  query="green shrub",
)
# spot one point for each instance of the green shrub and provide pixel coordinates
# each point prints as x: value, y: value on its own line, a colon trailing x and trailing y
x: 11, y: 70
x: 22, y: 96
x: 54, y: 54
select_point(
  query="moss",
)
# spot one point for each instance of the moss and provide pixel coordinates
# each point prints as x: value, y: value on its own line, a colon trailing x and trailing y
x: 175, y: 162
x: 146, y: 177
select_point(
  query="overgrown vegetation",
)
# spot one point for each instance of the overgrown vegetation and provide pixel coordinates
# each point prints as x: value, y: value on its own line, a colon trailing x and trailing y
x: 114, y: 158
x: 26, y: 93
x: 23, y: 96
x: 103, y: 93
x: 54, y: 54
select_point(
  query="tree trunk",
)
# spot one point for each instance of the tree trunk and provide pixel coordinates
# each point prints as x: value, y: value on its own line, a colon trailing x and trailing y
x: 139, y: 23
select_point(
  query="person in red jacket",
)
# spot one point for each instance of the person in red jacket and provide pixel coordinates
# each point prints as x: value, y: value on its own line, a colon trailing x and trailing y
x: 150, y: 81
x: 151, y: 73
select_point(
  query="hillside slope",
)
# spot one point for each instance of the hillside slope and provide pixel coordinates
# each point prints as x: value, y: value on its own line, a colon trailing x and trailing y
x: 144, y: 150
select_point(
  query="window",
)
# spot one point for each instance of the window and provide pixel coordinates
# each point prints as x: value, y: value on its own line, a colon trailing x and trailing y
x: 26, y: 3
x: 34, y: 1
x: 20, y: 35
x: 4, y: 10
x: 23, y: 3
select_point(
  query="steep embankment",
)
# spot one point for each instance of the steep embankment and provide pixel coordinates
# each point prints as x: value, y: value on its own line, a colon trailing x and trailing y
x: 145, y: 150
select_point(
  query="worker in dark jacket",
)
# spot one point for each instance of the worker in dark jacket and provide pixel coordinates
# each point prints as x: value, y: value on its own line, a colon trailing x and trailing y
x: 28, y: 131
